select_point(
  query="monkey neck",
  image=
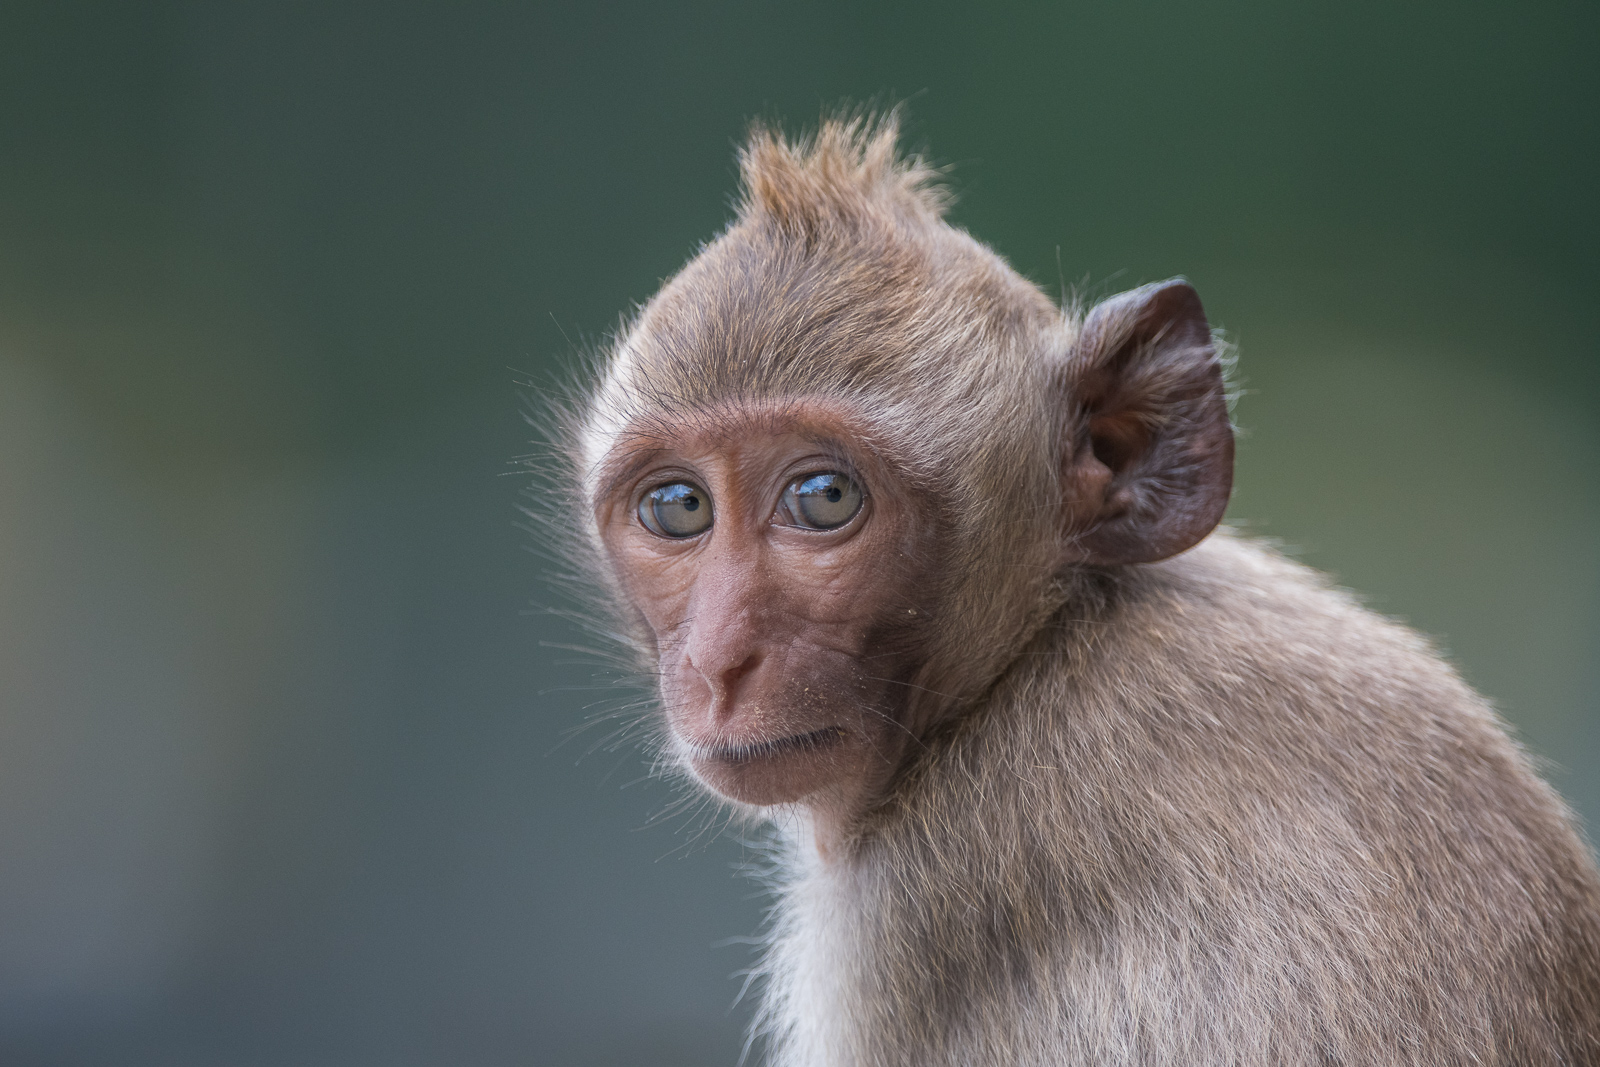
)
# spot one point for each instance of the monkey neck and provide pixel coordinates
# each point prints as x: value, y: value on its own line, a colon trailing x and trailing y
x: 1059, y: 627
x: 1053, y: 642
x: 844, y: 979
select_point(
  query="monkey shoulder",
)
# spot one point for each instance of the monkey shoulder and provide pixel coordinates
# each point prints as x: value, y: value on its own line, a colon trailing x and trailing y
x: 1233, y: 689
x: 1271, y: 673
x: 1235, y: 625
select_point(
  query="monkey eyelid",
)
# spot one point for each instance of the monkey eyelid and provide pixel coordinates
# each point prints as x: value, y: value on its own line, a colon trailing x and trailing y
x: 615, y: 475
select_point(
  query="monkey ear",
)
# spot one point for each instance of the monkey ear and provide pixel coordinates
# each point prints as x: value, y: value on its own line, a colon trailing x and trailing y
x: 1149, y: 467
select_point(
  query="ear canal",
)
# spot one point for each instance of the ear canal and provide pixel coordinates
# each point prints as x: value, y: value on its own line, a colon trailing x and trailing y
x: 1151, y: 409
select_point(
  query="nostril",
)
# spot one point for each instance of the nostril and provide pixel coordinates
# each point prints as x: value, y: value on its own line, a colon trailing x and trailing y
x: 731, y: 677
x: 722, y: 683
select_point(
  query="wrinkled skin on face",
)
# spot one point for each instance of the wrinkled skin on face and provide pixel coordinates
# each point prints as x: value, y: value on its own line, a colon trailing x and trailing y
x: 783, y: 648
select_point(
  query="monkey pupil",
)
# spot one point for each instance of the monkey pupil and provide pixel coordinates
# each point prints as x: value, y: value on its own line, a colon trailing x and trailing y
x: 834, y: 494
x: 691, y: 503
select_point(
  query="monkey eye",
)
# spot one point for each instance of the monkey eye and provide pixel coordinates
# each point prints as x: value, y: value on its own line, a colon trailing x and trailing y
x: 677, y: 510
x: 822, y: 501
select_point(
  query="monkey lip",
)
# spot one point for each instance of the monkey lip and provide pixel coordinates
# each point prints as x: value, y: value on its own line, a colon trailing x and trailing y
x: 753, y: 751
x: 773, y: 770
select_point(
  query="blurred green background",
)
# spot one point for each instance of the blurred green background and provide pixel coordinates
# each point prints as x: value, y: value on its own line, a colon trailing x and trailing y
x: 276, y: 727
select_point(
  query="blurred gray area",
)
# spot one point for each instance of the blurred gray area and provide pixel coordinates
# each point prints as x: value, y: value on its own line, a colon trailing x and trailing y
x: 283, y: 778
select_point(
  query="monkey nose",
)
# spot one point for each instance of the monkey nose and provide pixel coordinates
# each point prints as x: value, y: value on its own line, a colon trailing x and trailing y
x: 724, y: 681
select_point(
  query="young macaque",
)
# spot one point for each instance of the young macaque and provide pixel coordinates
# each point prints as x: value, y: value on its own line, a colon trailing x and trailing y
x: 928, y: 570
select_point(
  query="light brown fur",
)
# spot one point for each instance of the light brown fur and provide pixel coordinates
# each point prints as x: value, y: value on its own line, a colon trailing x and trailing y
x: 1214, y: 813
x: 1199, y: 811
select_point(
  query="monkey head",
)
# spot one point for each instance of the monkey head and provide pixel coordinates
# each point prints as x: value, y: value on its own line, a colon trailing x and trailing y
x: 847, y: 461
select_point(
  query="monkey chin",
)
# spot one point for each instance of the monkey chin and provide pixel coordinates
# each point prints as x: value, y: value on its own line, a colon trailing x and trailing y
x: 775, y: 771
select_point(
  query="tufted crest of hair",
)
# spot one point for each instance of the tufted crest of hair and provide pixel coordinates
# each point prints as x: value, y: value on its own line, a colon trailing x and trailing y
x: 838, y: 276
x: 849, y: 173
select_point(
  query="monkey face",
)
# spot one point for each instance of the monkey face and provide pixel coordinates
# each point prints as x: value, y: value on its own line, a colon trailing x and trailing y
x: 777, y: 569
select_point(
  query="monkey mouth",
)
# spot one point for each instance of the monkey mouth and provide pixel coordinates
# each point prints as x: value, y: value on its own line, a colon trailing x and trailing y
x: 752, y: 751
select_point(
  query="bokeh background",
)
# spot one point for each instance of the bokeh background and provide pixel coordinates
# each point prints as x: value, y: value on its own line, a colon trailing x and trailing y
x: 282, y: 779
